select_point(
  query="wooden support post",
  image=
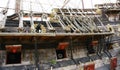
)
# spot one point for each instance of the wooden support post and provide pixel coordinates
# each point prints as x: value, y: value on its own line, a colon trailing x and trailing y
x: 82, y: 4
x: 71, y: 49
x: 17, y: 6
x: 36, y: 54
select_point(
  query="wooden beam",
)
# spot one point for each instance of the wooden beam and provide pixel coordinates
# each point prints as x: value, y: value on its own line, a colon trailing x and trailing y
x: 17, y: 6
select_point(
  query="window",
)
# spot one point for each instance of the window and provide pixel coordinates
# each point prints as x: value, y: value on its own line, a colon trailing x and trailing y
x: 13, y: 55
x: 13, y: 58
x: 61, y: 54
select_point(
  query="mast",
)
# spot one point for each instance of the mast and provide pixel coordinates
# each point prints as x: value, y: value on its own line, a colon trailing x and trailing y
x: 3, y: 15
x: 31, y: 18
x: 17, y: 6
x: 82, y: 4
x: 19, y: 11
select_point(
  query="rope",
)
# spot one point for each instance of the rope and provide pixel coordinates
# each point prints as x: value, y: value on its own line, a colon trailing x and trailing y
x: 45, y: 16
x: 4, y: 14
x: 69, y: 23
x: 74, y: 25
x: 87, y: 22
x: 76, y: 21
x: 99, y: 20
x: 65, y: 3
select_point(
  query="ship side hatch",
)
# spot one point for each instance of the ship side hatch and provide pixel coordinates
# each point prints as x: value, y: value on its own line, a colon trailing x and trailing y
x: 13, y: 58
x: 61, y: 50
x: 61, y: 54
x: 13, y: 54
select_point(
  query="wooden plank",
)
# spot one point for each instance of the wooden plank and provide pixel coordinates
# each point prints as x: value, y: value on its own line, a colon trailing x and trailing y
x: 53, y: 34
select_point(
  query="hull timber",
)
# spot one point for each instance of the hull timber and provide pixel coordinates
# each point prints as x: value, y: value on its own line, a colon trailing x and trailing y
x: 58, y: 49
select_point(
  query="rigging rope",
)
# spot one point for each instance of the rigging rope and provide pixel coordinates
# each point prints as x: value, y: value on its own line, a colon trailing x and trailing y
x: 99, y: 21
x: 76, y: 21
x: 88, y: 20
x: 65, y: 3
x: 45, y: 16
x: 60, y: 19
x: 4, y: 15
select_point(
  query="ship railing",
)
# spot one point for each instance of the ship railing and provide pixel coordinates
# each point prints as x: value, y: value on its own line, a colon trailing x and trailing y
x: 76, y: 20
x: 90, y: 22
x: 69, y: 23
x: 48, y: 23
x: 100, y: 21
x: 62, y: 21
x: 108, y: 5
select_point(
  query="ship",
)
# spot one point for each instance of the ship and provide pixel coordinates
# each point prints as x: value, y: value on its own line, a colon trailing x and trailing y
x: 65, y: 39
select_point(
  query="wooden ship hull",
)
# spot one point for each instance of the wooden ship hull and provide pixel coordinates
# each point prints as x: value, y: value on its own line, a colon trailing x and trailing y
x: 70, y: 40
